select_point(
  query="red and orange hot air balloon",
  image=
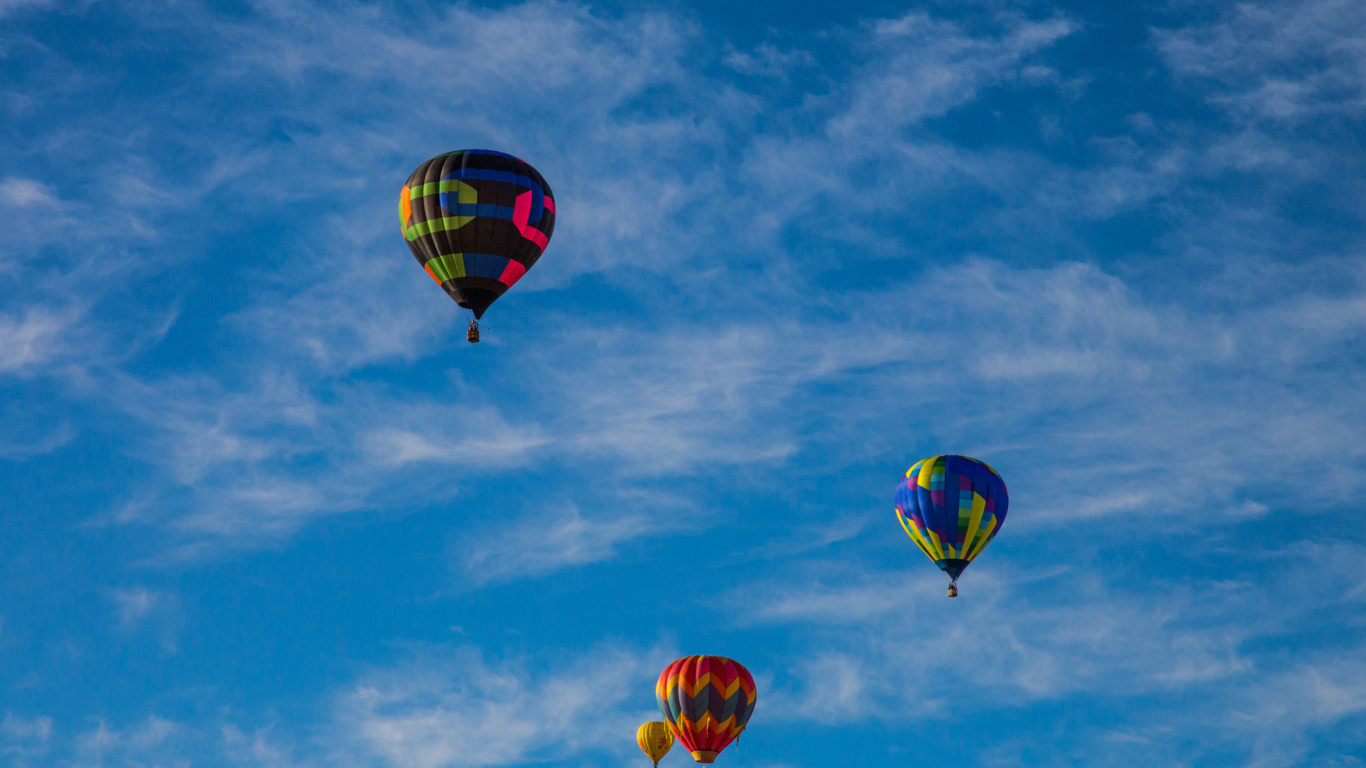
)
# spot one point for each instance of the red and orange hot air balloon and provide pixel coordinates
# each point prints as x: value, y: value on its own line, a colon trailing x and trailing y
x: 707, y: 701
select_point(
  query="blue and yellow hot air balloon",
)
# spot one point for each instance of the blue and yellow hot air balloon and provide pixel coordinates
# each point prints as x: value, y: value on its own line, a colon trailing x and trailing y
x: 951, y: 507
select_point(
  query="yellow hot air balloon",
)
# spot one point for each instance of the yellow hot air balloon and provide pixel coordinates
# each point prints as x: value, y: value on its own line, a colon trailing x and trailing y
x: 655, y: 740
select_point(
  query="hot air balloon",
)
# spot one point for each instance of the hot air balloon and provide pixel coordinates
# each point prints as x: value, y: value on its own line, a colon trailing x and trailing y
x: 655, y: 740
x: 476, y: 220
x: 706, y: 700
x: 951, y: 507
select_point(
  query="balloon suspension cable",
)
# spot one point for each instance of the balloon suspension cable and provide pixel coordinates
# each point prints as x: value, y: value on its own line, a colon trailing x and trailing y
x: 472, y: 334
x: 953, y: 588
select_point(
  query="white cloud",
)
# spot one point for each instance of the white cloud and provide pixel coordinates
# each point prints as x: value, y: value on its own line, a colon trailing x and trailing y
x: 745, y: 360
x: 1149, y: 389
x: 20, y: 450
x: 1280, y: 61
x: 929, y: 66
x: 246, y: 468
x: 767, y: 60
x: 38, y: 337
x: 9, y: 6
x: 151, y: 742
x: 359, y: 309
x: 914, y: 68
x: 262, y: 747
x: 454, y: 708
x: 24, y: 739
x: 388, y: 315
x: 553, y: 82
x: 542, y: 543
x: 144, y: 612
x: 25, y: 193
x: 463, y: 429
x: 661, y: 401
x: 136, y: 604
x: 1152, y: 384
x: 878, y: 644
x: 1282, y: 713
x: 204, y: 427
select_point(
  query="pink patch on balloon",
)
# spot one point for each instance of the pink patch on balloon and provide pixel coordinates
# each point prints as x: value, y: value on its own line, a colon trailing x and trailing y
x: 512, y: 273
x: 521, y: 212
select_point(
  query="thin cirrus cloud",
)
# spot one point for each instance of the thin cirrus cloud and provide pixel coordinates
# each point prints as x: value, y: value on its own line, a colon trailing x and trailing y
x: 556, y: 539
x: 9, y: 6
x: 36, y: 338
x: 25, y: 740
x: 1070, y: 338
x: 778, y: 283
x: 560, y: 105
x: 24, y: 193
x: 1276, y: 61
x: 1030, y: 639
x: 18, y: 450
x: 454, y: 707
x: 135, y: 604
x: 230, y: 441
x: 155, y: 738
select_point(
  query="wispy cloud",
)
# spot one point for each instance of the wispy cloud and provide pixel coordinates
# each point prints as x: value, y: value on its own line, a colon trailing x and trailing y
x: 1280, y: 714
x: 25, y: 193
x: 1133, y: 376
x: 452, y: 707
x: 767, y: 60
x: 1276, y: 61
x: 136, y: 604
x: 242, y: 455
x: 943, y: 231
x: 9, y: 6
x: 139, y: 610
x: 19, y: 450
x: 151, y: 740
x: 247, y: 467
x: 543, y: 543
x: 887, y: 644
x: 25, y: 740
x: 263, y: 747
x: 38, y: 337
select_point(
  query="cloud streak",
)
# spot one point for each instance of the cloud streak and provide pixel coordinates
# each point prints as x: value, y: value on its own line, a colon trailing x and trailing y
x: 451, y: 707
x: 887, y: 645
x: 1129, y: 277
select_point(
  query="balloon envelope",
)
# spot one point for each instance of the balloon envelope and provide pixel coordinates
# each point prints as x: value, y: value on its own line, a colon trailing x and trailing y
x: 476, y: 220
x: 655, y: 740
x: 951, y: 507
x: 707, y: 701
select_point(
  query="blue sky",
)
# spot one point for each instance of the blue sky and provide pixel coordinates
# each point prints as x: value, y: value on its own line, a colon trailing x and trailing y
x: 263, y: 506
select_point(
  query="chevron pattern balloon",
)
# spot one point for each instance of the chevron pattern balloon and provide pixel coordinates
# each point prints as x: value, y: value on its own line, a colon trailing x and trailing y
x: 707, y: 701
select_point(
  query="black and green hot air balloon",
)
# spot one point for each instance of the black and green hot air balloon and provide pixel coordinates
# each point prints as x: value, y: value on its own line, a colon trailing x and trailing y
x: 476, y: 220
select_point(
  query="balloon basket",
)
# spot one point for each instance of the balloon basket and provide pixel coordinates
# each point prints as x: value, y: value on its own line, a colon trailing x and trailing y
x: 472, y: 334
x: 953, y: 590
